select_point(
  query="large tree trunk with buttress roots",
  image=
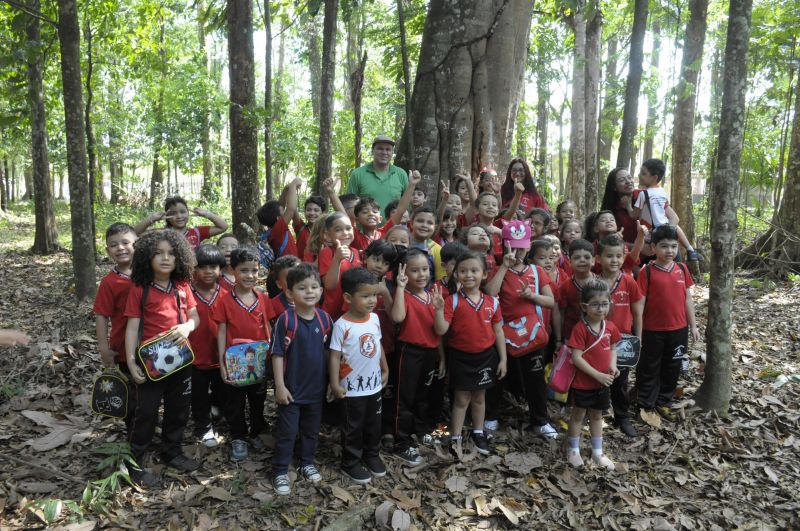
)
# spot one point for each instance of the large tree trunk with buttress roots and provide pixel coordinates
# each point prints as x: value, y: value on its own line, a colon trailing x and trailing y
x: 467, y: 87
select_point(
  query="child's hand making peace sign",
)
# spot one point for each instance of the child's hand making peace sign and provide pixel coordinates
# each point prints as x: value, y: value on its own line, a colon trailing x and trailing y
x: 401, y: 279
x: 436, y: 297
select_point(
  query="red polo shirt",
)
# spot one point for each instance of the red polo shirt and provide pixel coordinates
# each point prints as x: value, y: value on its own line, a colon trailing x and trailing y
x: 250, y: 323
x: 161, y: 309
x: 665, y: 293
x: 204, y: 337
x: 112, y: 296
x: 334, y: 300
x: 599, y: 356
x: 417, y: 328
x: 624, y: 292
x: 471, y: 323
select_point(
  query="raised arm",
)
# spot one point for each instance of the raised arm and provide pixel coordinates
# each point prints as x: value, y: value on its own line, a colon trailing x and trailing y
x: 469, y: 212
x: 220, y: 225
x: 511, y: 211
x: 399, y: 306
x: 329, y: 188
x: 149, y: 220
x: 291, y: 199
x: 439, y: 324
x: 413, y: 180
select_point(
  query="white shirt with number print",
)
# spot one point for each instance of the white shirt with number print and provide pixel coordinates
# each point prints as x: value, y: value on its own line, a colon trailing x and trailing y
x: 360, y: 345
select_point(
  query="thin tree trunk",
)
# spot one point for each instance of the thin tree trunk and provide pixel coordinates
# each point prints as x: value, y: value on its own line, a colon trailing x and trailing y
x: 633, y: 85
x: 356, y: 85
x: 324, y: 154
x: 714, y: 393
x: 314, y: 66
x: 157, y: 176
x: 243, y: 129
x: 577, y: 143
x: 268, y: 100
x: 542, y: 108
x: 408, y: 133
x: 83, y: 252
x: 652, y: 94
x: 4, y: 186
x: 776, y: 195
x: 593, y: 32
x: 609, y: 115
x: 683, y: 128
x: 211, y: 187
x: 95, y: 184
x: 561, y: 184
x: 45, y: 240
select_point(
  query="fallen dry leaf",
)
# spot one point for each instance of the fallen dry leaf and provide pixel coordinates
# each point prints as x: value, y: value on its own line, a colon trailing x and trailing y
x: 456, y: 483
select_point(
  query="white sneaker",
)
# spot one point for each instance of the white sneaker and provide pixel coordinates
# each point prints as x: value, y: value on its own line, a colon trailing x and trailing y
x: 546, y: 431
x: 209, y: 439
x: 603, y: 461
x: 281, y: 485
x: 574, y: 458
x: 492, y: 425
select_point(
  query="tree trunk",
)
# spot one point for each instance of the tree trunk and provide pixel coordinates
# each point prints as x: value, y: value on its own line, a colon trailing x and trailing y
x: 83, y: 252
x: 466, y: 90
x: 314, y: 66
x: 243, y: 129
x: 356, y: 85
x: 561, y: 185
x: 652, y: 95
x: 211, y: 186
x: 4, y: 186
x: 157, y: 176
x: 714, y: 393
x: 683, y: 128
x: 777, y: 191
x: 609, y: 115
x: 268, y: 100
x: 45, y: 240
x: 324, y: 153
x: 542, y: 108
x: 632, y: 86
x: 408, y: 132
x: 592, y: 80
x: 577, y: 137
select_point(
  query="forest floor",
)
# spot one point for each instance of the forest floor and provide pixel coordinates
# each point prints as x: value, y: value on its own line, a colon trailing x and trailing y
x: 699, y: 473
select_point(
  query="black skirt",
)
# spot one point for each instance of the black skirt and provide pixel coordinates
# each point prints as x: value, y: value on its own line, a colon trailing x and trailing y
x: 472, y: 371
x: 599, y: 399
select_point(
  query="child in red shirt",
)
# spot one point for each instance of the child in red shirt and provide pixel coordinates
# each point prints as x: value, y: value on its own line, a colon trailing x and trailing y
x: 476, y: 347
x: 581, y: 257
x: 524, y: 293
x: 420, y: 359
x: 207, y: 292
x: 244, y: 314
x: 227, y: 243
x: 277, y: 282
x: 592, y: 343
x: 625, y: 313
x: 275, y: 240
x: 112, y: 295
x: 334, y: 259
x: 161, y: 296
x: 313, y: 208
x: 667, y: 319
x: 176, y: 215
x: 571, y: 230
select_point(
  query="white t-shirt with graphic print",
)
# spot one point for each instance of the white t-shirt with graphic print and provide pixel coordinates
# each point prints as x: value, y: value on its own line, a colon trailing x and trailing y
x: 655, y: 212
x: 360, y: 345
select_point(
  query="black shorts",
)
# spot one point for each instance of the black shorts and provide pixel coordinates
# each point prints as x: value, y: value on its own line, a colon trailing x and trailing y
x: 590, y: 398
x: 472, y: 371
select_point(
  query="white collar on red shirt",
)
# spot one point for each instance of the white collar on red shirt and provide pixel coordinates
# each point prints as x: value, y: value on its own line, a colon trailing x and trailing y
x: 162, y: 289
x: 120, y: 273
x: 475, y: 306
x: 241, y: 303
x: 207, y: 302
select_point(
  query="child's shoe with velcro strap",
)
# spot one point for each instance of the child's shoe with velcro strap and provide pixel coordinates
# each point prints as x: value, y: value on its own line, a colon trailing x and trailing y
x: 209, y: 439
x: 358, y: 474
x: 603, y: 462
x: 574, y: 458
x: 311, y: 473
x: 481, y: 443
x: 281, y: 485
x: 545, y: 431
x: 238, y: 450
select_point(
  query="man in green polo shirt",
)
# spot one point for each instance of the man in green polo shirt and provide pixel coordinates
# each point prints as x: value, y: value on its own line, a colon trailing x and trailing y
x: 379, y: 179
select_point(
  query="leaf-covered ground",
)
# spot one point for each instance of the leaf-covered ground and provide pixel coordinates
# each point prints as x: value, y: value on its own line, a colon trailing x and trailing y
x: 701, y: 472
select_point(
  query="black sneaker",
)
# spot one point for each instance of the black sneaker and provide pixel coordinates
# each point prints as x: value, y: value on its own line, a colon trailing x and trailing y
x: 358, y: 474
x: 626, y: 427
x: 375, y: 466
x: 142, y: 478
x: 481, y: 443
x: 183, y: 463
x: 409, y: 456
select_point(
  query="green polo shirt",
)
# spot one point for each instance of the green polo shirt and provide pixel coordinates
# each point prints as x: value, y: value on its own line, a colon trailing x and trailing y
x: 384, y: 187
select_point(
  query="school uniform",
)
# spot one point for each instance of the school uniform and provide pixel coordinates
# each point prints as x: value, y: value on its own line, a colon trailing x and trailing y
x: 665, y: 332
x: 161, y: 312
x: 472, y: 357
x: 529, y: 373
x: 205, y: 369
x: 196, y: 235
x: 361, y: 240
x: 569, y: 300
x: 624, y: 292
x: 302, y: 233
x: 280, y: 239
x: 360, y: 375
x: 434, y: 252
x: 249, y: 322
x: 333, y: 301
x: 418, y: 355
x: 280, y: 303
x: 226, y: 283
x: 302, y: 345
x: 586, y: 392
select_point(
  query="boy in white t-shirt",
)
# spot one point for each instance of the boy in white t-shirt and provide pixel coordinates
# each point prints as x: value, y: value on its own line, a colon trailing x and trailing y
x: 358, y: 372
x: 652, y: 204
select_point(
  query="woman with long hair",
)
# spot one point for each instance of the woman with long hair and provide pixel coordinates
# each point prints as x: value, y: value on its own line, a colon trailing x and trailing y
x: 519, y: 171
x: 619, y: 198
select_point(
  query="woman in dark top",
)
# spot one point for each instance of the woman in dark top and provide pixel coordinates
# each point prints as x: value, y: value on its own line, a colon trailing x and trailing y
x: 619, y: 198
x: 518, y: 171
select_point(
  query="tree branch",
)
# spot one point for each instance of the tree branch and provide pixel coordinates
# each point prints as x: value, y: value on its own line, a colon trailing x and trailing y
x: 28, y: 11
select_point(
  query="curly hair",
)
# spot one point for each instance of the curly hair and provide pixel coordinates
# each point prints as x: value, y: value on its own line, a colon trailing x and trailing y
x: 145, y: 249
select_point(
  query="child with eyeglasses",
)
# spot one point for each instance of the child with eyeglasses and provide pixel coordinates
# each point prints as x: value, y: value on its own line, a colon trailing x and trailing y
x: 595, y: 358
